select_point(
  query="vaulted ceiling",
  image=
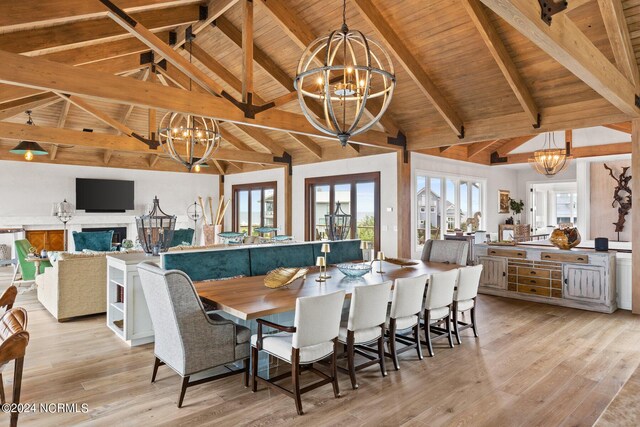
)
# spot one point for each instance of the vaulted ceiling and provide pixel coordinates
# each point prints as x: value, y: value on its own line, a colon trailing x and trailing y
x: 471, y: 83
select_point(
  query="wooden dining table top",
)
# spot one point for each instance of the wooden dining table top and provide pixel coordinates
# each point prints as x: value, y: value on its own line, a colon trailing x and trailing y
x: 248, y: 298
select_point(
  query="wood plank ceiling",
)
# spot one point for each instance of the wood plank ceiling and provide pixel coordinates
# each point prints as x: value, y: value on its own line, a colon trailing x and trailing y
x: 471, y: 82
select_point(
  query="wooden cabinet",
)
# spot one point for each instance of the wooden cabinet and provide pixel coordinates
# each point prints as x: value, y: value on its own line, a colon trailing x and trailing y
x: 585, y: 283
x: 50, y: 240
x: 494, y: 271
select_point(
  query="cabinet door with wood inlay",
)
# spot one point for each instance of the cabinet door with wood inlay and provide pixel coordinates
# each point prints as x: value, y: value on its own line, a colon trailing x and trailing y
x: 585, y: 283
x: 494, y: 272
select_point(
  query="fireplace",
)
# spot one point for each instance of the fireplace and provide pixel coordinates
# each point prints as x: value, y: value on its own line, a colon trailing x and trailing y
x: 119, y: 233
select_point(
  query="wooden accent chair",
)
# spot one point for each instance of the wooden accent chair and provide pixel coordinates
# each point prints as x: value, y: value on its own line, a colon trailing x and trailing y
x: 14, y: 339
x: 366, y: 325
x: 313, y: 337
x: 8, y: 298
x: 438, y: 307
x: 187, y: 338
x: 464, y: 299
x: 404, y: 317
x: 448, y: 251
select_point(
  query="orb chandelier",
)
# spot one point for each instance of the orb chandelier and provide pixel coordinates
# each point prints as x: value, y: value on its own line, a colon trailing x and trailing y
x: 188, y: 139
x: 551, y: 160
x: 343, y: 71
x: 29, y: 148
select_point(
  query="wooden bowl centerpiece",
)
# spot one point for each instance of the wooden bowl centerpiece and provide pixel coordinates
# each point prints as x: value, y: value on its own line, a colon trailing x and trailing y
x: 565, y: 238
x: 283, y: 276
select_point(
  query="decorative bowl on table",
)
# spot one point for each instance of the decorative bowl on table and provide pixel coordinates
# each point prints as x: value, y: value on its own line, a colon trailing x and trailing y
x: 354, y: 269
x: 402, y: 262
x: 565, y: 237
x: 283, y: 276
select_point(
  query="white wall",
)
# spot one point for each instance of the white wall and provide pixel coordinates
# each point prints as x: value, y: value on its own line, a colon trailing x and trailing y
x: 28, y: 191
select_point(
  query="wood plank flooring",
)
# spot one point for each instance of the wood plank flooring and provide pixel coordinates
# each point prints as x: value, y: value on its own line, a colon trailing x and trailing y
x: 532, y: 365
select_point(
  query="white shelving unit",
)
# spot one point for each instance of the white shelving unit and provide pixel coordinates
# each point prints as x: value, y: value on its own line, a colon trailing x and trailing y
x: 127, y: 313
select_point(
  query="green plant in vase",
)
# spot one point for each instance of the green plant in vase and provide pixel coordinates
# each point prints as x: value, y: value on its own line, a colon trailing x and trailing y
x: 516, y: 207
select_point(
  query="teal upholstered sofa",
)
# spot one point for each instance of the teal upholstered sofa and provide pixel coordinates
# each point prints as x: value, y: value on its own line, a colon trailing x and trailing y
x: 93, y: 240
x: 181, y: 236
x: 256, y: 260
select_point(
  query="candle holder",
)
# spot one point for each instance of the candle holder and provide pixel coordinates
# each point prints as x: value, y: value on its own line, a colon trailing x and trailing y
x: 325, y: 249
x: 322, y: 263
x: 380, y: 258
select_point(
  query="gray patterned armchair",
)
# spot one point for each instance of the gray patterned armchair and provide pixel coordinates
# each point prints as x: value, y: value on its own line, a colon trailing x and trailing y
x: 450, y: 251
x: 187, y: 338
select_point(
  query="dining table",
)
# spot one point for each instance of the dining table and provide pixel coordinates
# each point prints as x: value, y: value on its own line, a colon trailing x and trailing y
x: 248, y: 298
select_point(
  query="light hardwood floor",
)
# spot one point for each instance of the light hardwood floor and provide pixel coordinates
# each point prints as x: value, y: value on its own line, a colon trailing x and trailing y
x: 532, y: 365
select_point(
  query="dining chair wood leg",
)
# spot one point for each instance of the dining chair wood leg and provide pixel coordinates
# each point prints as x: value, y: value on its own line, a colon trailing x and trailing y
x: 427, y: 332
x: 245, y: 375
x: 351, y: 359
x: 295, y: 379
x: 254, y: 369
x: 334, y: 370
x: 156, y: 365
x: 17, y: 385
x: 392, y: 344
x: 2, y: 398
x: 416, y: 335
x: 447, y: 321
x: 183, y: 390
x: 456, y: 329
x: 383, y: 368
x: 473, y: 319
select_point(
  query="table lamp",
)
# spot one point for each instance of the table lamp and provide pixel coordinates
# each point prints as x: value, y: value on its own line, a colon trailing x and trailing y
x: 380, y: 258
x: 322, y: 263
x: 64, y: 211
x: 325, y: 249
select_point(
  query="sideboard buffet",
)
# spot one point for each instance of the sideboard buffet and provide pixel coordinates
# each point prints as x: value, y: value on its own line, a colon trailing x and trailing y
x: 581, y: 278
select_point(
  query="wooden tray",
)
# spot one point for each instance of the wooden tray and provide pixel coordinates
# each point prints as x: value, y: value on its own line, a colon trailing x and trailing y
x: 283, y: 276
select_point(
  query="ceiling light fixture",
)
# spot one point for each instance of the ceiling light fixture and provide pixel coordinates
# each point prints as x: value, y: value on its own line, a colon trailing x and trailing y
x: 29, y: 148
x: 343, y: 71
x: 551, y: 160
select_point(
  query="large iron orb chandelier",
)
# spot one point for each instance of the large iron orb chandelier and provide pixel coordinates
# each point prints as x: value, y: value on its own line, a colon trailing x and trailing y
x: 190, y: 140
x: 343, y: 71
x: 551, y: 160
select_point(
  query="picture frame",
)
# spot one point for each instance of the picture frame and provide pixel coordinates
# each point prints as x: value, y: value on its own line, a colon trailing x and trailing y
x: 503, y: 201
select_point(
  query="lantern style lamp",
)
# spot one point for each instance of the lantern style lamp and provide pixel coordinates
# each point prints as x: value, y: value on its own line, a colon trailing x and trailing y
x: 155, y: 229
x: 338, y: 224
x: 322, y: 263
x: 64, y: 211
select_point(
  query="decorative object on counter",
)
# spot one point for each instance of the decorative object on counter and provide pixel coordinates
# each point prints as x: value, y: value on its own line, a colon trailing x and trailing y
x: 155, y: 229
x: 127, y: 244
x: 473, y: 224
x: 354, y: 269
x: 282, y: 238
x: 565, y: 238
x: 64, y: 211
x: 29, y: 148
x: 621, y: 196
x: 262, y: 231
x: 33, y: 251
x: 282, y: 276
x: 338, y: 224
x: 367, y: 250
x: 232, y: 237
x: 458, y: 232
x: 212, y: 230
x: 601, y: 244
x: 551, y: 160
x: 353, y: 70
x: 194, y: 212
x: 322, y: 263
x: 503, y: 201
x: 509, y: 221
x: 402, y: 262
x: 516, y: 207
x: 43, y: 253
x: 380, y: 257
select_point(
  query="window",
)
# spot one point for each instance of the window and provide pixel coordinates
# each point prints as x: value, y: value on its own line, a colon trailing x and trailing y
x: 254, y: 206
x: 553, y: 204
x: 358, y: 195
x: 453, y: 202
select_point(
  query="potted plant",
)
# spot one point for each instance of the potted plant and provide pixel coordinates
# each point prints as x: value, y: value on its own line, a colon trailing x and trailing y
x: 516, y: 207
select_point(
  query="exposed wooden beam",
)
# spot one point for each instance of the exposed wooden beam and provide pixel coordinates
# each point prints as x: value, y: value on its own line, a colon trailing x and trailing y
x: 53, y: 152
x: 62, y: 119
x: 404, y: 201
x: 635, y: 216
x: 153, y: 159
x: 568, y: 139
x: 579, y: 152
x: 263, y: 139
x: 618, y: 32
x: 105, y: 118
x: 247, y: 49
x: 622, y: 127
x: 107, y: 156
x: 84, y: 33
x: 480, y: 147
x: 13, y: 108
x: 41, y: 134
x: 309, y: 144
x: 234, y: 140
x: 415, y: 70
x: 445, y: 148
x: 46, y: 75
x: 218, y: 167
x: 512, y: 144
x: 219, y: 70
x: 494, y: 43
x: 215, y: 9
x: 564, y: 42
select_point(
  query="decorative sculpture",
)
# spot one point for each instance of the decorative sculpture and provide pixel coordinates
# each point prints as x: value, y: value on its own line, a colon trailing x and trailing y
x: 619, y: 197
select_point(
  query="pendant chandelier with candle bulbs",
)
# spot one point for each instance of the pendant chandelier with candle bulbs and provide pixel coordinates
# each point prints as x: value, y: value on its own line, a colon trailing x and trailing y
x: 550, y: 160
x: 343, y: 71
x: 188, y: 139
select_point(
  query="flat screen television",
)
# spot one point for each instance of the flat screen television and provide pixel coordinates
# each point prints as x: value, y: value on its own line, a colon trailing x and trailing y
x: 104, y: 195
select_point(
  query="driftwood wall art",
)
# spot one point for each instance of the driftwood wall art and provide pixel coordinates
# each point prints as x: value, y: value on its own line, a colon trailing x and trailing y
x: 621, y: 196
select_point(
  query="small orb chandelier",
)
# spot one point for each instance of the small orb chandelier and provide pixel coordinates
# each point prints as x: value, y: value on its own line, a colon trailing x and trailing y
x: 29, y: 148
x: 343, y: 71
x: 188, y: 139
x: 551, y: 160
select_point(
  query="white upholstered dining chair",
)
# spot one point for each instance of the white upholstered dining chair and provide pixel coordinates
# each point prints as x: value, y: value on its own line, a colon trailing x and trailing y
x: 465, y: 299
x: 188, y: 339
x: 438, y: 307
x: 313, y: 337
x: 404, y: 316
x: 365, y: 326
